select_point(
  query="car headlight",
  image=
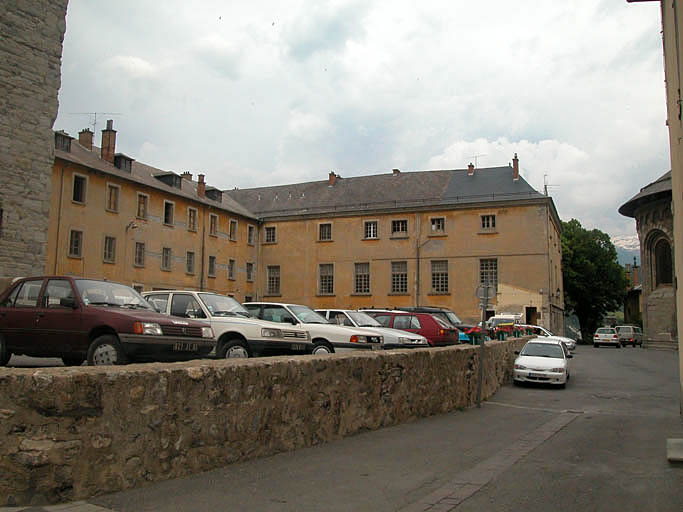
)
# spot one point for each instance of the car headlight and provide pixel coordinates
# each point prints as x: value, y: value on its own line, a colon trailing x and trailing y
x: 359, y: 339
x: 207, y: 332
x: 557, y: 370
x: 268, y: 332
x: 147, y: 328
x: 520, y: 367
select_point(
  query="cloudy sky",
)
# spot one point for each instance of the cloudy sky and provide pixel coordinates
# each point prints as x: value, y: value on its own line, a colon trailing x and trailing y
x: 270, y: 92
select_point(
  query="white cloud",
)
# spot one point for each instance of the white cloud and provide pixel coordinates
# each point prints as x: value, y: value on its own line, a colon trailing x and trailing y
x: 130, y: 66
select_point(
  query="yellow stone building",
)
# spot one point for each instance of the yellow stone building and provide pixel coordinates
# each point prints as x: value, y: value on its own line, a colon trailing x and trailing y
x: 396, y: 239
x: 117, y: 219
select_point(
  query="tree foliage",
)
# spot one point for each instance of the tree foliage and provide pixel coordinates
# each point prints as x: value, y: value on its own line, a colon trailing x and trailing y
x: 594, y: 282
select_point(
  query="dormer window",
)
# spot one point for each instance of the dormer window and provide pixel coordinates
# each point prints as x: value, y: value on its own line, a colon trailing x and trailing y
x: 170, y: 178
x: 214, y: 194
x: 123, y: 162
x: 63, y: 141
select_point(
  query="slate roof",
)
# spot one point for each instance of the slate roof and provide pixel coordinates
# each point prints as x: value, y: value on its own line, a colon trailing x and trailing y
x: 658, y: 189
x: 145, y: 175
x: 415, y: 189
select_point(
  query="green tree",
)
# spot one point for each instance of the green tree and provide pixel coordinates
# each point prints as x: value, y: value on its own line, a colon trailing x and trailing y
x: 594, y: 282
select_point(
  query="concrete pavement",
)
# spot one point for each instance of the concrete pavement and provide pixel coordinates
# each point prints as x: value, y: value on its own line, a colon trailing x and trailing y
x: 599, y: 444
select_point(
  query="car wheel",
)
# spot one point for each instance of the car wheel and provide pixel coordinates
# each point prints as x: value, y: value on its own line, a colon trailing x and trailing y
x: 106, y: 350
x: 73, y: 360
x: 5, y: 356
x: 322, y: 347
x: 596, y: 345
x: 618, y: 345
x: 562, y: 386
x: 234, y: 349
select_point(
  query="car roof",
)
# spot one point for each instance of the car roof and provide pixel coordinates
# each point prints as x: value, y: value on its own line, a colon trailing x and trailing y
x: 547, y: 341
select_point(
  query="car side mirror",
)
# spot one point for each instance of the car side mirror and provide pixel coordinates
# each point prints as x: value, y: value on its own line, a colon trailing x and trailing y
x: 68, y: 302
x: 291, y: 320
x: 517, y: 352
x: 569, y: 356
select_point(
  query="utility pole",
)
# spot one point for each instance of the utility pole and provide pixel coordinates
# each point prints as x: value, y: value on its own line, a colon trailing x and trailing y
x: 485, y: 292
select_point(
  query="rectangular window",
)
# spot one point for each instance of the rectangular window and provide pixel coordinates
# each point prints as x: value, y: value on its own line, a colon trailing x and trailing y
x: 370, y: 229
x: 399, y: 228
x: 326, y: 279
x: 109, y: 255
x: 251, y: 230
x: 169, y: 209
x: 80, y: 185
x: 213, y: 225
x: 189, y: 262
x: 488, y: 222
x: 271, y: 235
x: 362, y: 278
x: 325, y: 232
x: 399, y: 277
x: 212, y: 266
x: 233, y: 230
x: 440, y: 276
x: 113, y: 197
x: 273, y: 280
x: 139, y: 260
x: 192, y: 219
x: 143, y: 200
x: 231, y: 269
x: 438, y: 225
x: 76, y: 244
x: 166, y: 258
x: 488, y: 271
x: 250, y: 272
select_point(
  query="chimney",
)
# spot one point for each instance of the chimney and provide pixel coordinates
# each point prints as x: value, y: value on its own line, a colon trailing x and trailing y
x: 396, y: 172
x: 85, y: 138
x: 515, y: 168
x: 187, y: 175
x: 201, y: 186
x: 108, y: 142
x: 470, y: 169
x: 332, y: 179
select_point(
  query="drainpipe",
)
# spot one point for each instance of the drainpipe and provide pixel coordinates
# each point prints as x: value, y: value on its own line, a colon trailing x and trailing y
x: 59, y: 219
x: 201, y: 271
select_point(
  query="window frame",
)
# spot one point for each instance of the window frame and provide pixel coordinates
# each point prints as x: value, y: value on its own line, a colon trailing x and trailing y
x: 79, y: 245
x: 439, y: 278
x: 84, y: 192
x: 367, y: 223
x: 139, y: 255
x: 166, y: 267
x: 105, y: 258
x: 190, y: 263
x: 165, y: 221
x: 109, y: 187
x: 361, y: 279
x: 192, y: 216
x: 483, y: 272
x: 273, y: 281
x: 439, y: 231
x: 213, y: 224
x: 399, y: 234
x: 250, y: 271
x: 231, y: 269
x: 144, y: 196
x: 487, y: 223
x: 211, y: 268
x: 399, y: 278
x: 251, y: 234
x: 269, y: 229
x: 326, y: 281
x: 322, y: 225
x: 232, y: 233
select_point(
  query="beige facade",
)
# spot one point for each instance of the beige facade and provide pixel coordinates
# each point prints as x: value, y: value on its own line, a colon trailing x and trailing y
x: 134, y: 228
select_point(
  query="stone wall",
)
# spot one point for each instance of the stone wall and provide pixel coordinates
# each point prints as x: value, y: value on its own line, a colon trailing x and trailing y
x: 71, y: 433
x: 30, y: 60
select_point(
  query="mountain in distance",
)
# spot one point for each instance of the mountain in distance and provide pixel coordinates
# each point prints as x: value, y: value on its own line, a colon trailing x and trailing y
x: 628, y: 247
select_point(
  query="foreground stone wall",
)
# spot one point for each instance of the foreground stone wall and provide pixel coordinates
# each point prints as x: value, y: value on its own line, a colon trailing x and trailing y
x: 30, y: 60
x: 71, y: 433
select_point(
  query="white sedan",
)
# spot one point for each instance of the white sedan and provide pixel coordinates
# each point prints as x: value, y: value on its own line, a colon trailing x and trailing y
x: 543, y: 360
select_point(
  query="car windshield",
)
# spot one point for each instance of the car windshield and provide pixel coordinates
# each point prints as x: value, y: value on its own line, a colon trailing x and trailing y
x: 222, y: 305
x: 453, y: 318
x: 105, y: 293
x: 363, y: 319
x: 542, y: 350
x: 605, y: 330
x: 441, y: 323
x: 307, y: 315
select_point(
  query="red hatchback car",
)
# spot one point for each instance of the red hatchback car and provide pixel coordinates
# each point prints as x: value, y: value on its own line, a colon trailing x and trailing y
x: 437, y: 332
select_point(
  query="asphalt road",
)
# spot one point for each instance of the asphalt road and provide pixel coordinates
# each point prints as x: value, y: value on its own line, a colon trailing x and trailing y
x: 599, y: 444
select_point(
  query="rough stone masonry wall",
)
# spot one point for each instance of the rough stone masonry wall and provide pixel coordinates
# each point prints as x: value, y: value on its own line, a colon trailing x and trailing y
x: 70, y: 433
x: 30, y: 59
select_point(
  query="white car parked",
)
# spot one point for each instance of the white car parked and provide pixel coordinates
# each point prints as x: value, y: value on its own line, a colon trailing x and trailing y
x: 238, y: 334
x: 543, y: 360
x: 543, y: 332
x: 326, y: 337
x: 393, y: 338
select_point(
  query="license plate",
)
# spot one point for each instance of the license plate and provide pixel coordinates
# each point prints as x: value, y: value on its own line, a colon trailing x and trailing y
x: 537, y: 375
x: 376, y: 346
x: 185, y: 347
x: 298, y: 346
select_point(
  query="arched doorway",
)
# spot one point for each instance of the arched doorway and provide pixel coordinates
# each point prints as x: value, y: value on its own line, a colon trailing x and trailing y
x: 662, y: 262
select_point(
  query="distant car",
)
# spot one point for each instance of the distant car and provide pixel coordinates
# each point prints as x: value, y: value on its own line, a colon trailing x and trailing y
x: 326, y: 337
x: 629, y: 335
x: 238, y: 334
x: 445, y: 314
x: 606, y: 336
x: 543, y: 332
x: 437, y: 332
x: 393, y: 338
x: 103, y: 321
x: 543, y: 360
